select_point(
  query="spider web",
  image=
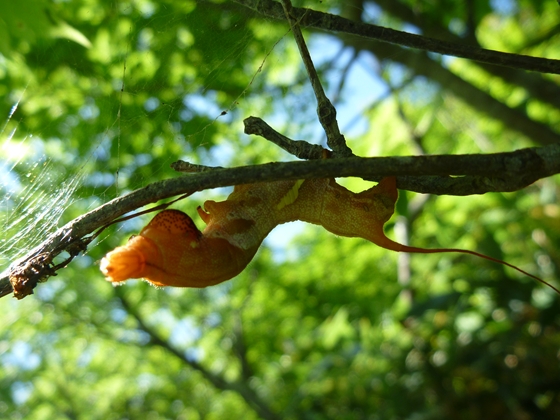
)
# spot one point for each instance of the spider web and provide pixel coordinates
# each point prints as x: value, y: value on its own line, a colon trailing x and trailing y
x: 53, y: 174
x: 43, y: 176
x: 32, y: 203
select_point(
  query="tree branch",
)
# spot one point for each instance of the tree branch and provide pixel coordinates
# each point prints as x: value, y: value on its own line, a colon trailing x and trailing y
x: 239, y: 387
x: 325, y: 109
x: 333, y: 23
x: 422, y: 65
x: 496, y: 172
x: 299, y: 148
x: 537, y: 87
x: 192, y: 168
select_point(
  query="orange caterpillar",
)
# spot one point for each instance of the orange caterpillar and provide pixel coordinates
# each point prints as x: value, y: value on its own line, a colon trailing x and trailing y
x: 171, y: 251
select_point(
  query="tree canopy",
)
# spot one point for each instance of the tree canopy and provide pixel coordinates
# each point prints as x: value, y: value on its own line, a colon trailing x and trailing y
x: 99, y: 98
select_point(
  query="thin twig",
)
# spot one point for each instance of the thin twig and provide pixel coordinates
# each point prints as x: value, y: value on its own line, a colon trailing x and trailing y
x: 299, y: 148
x: 421, y: 65
x: 344, y: 75
x: 325, y: 109
x: 325, y: 21
x: 536, y: 86
x: 509, y: 171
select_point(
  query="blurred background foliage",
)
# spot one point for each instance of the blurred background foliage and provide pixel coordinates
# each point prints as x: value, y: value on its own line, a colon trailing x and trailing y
x: 99, y: 97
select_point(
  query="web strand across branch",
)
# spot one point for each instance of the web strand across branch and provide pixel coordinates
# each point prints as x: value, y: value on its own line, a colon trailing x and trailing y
x: 479, y: 173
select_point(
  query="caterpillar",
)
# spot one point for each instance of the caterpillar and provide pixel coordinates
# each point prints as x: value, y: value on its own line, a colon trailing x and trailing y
x: 172, y: 251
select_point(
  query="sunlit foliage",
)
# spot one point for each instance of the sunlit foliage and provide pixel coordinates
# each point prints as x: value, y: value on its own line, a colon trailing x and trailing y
x: 101, y: 96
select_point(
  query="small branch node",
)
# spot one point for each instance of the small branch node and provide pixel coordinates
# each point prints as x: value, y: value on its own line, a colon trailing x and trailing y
x: 299, y: 148
x: 183, y: 166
